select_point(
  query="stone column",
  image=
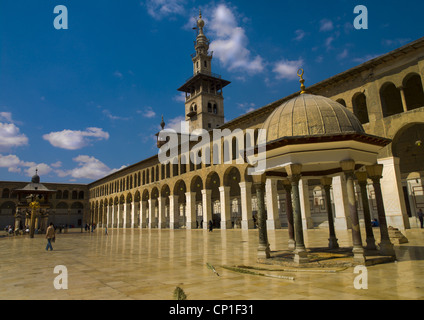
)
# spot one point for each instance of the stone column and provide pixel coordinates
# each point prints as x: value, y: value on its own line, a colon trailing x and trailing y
x: 152, y: 219
x: 263, y: 246
x: 206, y: 207
x: 125, y: 222
x: 362, y: 181
x: 273, y: 221
x: 289, y: 212
x: 161, y: 213
x: 348, y: 168
x: 305, y: 205
x: 191, y: 210
x: 246, y: 205
x: 294, y: 175
x: 391, y: 188
x: 375, y: 174
x: 108, y: 216
x: 224, y: 193
x: 143, y: 208
x: 114, y: 219
x: 332, y: 241
x: 341, y: 205
x: 174, y: 212
x: 118, y: 215
x: 132, y: 224
x: 402, y: 95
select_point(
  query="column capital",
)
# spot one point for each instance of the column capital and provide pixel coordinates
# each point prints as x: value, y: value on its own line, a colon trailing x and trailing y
x: 258, y: 179
x: 375, y: 172
x: 293, y: 169
x: 326, y: 181
x: 362, y: 177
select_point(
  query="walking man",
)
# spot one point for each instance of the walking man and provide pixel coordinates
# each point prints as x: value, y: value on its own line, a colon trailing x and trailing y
x: 50, y: 234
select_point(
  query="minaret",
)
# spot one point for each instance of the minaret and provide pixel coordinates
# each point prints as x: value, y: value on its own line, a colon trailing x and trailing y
x: 204, y: 103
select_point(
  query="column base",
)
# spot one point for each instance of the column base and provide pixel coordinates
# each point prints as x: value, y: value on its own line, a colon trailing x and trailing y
x: 358, y: 255
x: 291, y: 244
x: 387, y: 248
x: 300, y: 256
x: 332, y: 243
x: 264, y: 252
x: 370, y: 244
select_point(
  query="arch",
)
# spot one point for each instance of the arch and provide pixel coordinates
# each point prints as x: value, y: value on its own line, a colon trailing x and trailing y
x: 165, y: 191
x: 62, y: 205
x: 59, y: 194
x: 360, y: 109
x: 145, y: 195
x: 391, y: 101
x: 342, y: 102
x: 414, y: 94
x: 154, y: 194
x: 65, y: 194
x: 196, y: 185
x: 408, y: 146
x: 180, y: 188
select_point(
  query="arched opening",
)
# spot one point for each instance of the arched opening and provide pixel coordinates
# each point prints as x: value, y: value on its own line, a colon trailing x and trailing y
x: 408, y: 146
x: 196, y: 186
x: 232, y: 179
x: 413, y: 89
x: 342, y: 102
x: 212, y: 183
x: 359, y: 103
x: 180, y: 190
x: 391, y: 100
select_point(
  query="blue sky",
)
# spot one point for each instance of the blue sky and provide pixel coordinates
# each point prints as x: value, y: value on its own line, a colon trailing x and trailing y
x: 81, y: 103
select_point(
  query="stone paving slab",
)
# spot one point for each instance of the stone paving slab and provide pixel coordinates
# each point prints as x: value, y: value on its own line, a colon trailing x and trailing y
x: 149, y: 264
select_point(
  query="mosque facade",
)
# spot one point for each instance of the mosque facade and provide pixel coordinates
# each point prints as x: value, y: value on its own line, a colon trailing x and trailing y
x: 384, y: 95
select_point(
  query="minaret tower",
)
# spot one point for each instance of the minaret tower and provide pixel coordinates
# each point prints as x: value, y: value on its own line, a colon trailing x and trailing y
x: 204, y: 102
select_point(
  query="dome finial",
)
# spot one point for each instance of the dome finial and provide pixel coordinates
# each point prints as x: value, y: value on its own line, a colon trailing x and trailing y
x: 162, y: 124
x: 200, y: 13
x: 300, y: 73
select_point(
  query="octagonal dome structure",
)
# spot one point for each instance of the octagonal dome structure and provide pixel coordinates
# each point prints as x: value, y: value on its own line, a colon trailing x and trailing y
x: 317, y: 133
x: 309, y: 115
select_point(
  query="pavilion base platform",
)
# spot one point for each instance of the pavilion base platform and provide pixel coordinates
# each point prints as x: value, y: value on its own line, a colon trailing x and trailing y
x: 325, y: 258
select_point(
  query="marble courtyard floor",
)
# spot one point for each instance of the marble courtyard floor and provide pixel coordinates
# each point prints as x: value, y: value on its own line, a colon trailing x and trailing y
x: 150, y: 264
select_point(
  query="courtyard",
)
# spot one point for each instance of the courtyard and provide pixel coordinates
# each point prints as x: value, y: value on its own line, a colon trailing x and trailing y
x: 148, y: 264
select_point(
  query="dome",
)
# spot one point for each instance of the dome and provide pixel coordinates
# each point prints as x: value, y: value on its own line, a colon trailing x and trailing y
x: 35, y: 178
x: 310, y: 115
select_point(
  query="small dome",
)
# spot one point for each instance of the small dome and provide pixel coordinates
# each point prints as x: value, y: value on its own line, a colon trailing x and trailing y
x: 35, y: 178
x: 310, y: 115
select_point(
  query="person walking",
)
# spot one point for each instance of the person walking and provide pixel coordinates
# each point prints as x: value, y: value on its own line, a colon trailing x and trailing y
x: 50, y: 234
x: 210, y: 225
x: 421, y: 217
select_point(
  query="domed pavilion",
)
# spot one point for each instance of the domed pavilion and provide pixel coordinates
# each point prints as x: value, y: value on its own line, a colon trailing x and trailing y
x: 315, y: 137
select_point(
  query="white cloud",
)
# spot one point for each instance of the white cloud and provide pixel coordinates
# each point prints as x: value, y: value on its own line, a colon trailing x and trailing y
x: 230, y: 45
x: 57, y: 164
x: 286, y: 69
x: 300, y: 34
x: 343, y: 54
x: 118, y: 74
x: 14, y: 164
x: 10, y: 135
x: 88, y: 168
x: 159, y: 9
x: 73, y: 140
x: 6, y: 116
x: 149, y: 113
x: 180, y: 97
x: 326, y: 25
